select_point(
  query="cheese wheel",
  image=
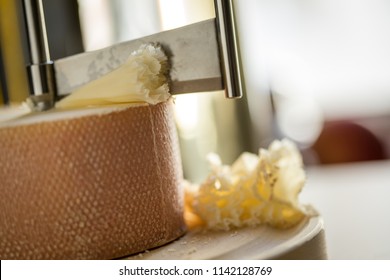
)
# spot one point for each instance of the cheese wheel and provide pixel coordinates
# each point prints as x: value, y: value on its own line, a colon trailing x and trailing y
x: 97, y: 183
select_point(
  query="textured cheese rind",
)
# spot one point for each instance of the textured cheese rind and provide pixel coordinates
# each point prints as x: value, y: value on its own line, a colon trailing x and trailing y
x: 95, y: 187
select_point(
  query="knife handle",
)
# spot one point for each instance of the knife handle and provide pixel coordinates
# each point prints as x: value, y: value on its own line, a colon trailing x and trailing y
x: 229, y: 50
x: 41, y: 70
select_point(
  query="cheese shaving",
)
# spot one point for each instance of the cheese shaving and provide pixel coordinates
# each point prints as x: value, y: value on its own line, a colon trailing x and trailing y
x: 256, y: 189
x: 142, y: 79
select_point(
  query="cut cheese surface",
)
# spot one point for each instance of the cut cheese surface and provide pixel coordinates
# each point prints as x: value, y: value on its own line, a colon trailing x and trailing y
x: 13, y: 112
x: 255, y: 190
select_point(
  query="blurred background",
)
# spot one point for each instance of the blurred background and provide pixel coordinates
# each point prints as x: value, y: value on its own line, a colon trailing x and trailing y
x: 315, y: 71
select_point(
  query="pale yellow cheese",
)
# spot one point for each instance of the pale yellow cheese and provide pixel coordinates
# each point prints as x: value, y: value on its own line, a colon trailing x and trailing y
x: 142, y: 78
x: 255, y: 190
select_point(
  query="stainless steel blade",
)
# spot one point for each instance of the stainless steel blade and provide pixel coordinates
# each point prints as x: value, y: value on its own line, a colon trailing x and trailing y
x: 193, y: 52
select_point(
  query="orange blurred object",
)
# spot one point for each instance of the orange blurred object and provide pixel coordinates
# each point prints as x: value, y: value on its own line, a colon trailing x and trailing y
x: 346, y: 141
x: 191, y: 219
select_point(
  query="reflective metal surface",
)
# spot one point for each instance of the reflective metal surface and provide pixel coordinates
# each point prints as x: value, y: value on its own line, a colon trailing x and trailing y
x: 40, y: 72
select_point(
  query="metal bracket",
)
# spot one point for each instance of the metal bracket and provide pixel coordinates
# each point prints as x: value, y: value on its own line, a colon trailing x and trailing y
x: 228, y: 41
x: 41, y: 70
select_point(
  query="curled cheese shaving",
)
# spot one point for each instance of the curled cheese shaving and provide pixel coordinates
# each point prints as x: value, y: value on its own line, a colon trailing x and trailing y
x: 143, y: 78
x: 256, y: 189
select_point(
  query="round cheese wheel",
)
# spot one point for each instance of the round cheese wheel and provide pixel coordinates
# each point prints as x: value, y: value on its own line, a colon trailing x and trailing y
x: 97, y: 183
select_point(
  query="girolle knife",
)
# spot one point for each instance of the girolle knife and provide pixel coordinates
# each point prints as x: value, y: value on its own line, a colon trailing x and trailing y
x: 203, y: 57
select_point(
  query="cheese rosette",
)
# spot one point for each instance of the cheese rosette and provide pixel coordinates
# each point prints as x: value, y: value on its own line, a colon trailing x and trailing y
x: 255, y: 190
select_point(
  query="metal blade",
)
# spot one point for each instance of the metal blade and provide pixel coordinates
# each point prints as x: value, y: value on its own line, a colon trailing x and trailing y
x: 193, y: 52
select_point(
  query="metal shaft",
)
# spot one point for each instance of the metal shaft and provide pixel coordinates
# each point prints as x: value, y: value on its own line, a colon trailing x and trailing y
x: 41, y: 69
x: 228, y: 41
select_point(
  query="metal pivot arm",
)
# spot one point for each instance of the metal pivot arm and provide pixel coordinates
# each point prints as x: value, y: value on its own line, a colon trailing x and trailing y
x: 41, y: 68
x: 228, y: 41
x: 202, y: 76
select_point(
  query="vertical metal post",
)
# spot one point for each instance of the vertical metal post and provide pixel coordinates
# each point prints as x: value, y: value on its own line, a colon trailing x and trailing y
x: 41, y: 69
x: 228, y: 40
